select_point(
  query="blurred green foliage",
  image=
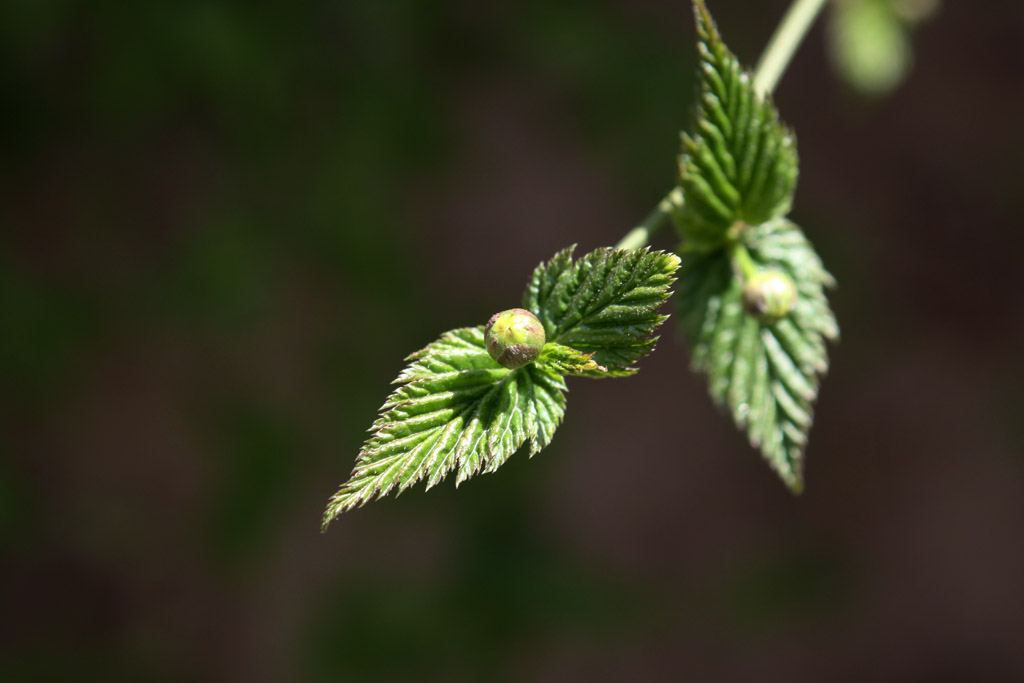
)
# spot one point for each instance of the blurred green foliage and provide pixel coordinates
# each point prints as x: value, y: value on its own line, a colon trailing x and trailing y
x: 870, y: 41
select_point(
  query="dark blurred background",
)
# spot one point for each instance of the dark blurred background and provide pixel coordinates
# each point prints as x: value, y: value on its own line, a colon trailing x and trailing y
x: 223, y: 225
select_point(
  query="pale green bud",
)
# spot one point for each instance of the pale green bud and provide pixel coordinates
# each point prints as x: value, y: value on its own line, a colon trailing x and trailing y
x: 514, y: 338
x: 769, y: 296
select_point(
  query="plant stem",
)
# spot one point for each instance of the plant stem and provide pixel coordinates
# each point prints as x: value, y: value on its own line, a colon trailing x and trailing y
x: 640, y: 236
x: 784, y: 42
x: 770, y: 68
x: 741, y: 259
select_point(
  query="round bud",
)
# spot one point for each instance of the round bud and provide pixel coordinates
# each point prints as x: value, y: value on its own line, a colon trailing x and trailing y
x: 769, y: 296
x: 514, y: 337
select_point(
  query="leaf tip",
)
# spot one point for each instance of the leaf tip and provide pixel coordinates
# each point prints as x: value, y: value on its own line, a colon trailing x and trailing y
x: 706, y: 28
x: 672, y: 262
x: 333, y: 511
x: 796, y: 485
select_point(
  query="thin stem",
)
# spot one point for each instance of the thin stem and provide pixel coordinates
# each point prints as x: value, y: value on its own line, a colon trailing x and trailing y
x: 770, y: 68
x: 640, y: 236
x: 784, y: 42
x: 742, y: 260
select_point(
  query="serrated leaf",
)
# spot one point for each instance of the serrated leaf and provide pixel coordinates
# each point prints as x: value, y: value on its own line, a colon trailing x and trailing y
x: 740, y: 165
x: 605, y: 303
x: 568, y: 361
x: 456, y: 410
x: 766, y: 376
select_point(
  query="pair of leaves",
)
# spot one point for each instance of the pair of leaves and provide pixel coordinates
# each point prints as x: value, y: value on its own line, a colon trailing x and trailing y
x: 457, y: 410
x: 737, y: 175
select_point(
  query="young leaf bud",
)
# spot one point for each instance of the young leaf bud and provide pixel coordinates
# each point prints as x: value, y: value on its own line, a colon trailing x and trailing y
x: 514, y: 337
x: 769, y: 296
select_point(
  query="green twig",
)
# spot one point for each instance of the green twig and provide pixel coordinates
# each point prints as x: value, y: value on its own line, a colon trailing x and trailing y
x: 784, y: 42
x: 742, y: 260
x: 640, y: 236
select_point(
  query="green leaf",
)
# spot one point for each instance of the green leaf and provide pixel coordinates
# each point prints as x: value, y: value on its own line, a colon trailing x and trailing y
x: 740, y: 166
x: 456, y: 409
x: 767, y: 376
x: 605, y: 303
x: 568, y: 361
